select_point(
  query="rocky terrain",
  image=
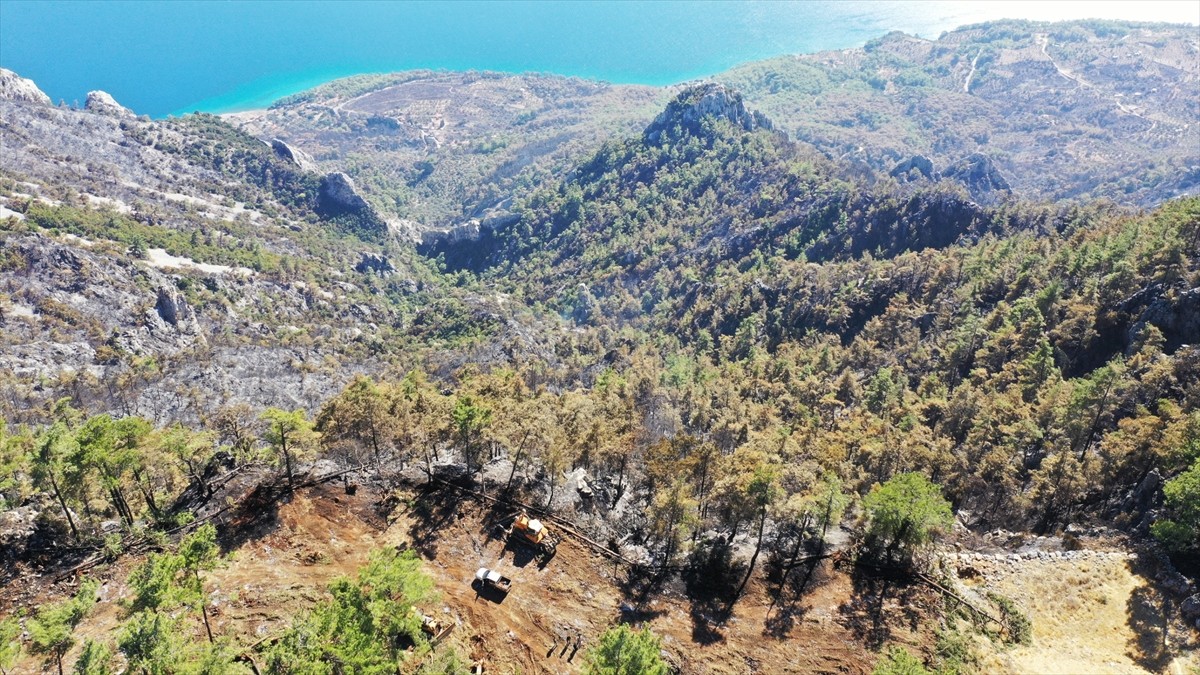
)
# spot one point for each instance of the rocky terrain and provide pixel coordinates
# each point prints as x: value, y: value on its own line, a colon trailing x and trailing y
x: 706, y: 331
x: 1064, y: 111
x: 1072, y: 111
x: 438, y: 150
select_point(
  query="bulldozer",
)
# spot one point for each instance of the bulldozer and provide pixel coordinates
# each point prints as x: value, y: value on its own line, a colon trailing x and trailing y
x: 533, y: 533
x: 435, y: 629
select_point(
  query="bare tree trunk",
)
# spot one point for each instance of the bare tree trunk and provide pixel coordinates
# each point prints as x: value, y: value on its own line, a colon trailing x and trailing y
x: 516, y: 459
x: 148, y: 495
x: 1096, y: 419
x: 375, y: 444
x: 762, y: 522
x: 66, y: 512
x: 620, y: 480
x: 204, y: 608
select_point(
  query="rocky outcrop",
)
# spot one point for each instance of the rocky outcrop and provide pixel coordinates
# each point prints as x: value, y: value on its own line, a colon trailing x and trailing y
x: 294, y: 155
x: 338, y: 199
x: 1191, y: 609
x: 373, y: 262
x: 1176, y: 314
x: 339, y: 196
x: 13, y: 87
x: 980, y: 176
x: 468, y: 231
x: 586, y: 305
x: 687, y: 110
x: 101, y: 103
x: 1148, y: 491
x: 919, y: 163
x: 173, y: 310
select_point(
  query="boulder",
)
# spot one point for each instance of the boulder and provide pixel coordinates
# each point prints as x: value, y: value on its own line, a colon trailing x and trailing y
x: 373, y: 262
x: 710, y: 99
x: 296, y: 156
x: 919, y: 163
x: 980, y: 176
x: 13, y: 87
x: 101, y: 103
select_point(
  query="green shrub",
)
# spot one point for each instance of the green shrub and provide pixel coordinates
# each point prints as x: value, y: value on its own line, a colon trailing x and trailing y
x: 899, y: 661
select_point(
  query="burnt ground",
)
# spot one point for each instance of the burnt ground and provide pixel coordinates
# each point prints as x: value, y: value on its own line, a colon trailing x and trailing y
x: 285, y: 548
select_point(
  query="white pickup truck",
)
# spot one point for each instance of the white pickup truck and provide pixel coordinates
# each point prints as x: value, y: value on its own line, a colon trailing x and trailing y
x: 493, y: 579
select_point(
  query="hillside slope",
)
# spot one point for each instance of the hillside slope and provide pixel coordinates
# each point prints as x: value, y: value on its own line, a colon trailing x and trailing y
x: 1071, y: 110
x: 777, y: 404
x: 439, y: 149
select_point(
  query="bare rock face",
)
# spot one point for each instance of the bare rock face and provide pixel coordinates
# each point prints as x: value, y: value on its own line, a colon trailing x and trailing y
x: 339, y: 195
x: 1176, y: 314
x: 102, y: 103
x: 373, y: 262
x: 919, y: 163
x: 468, y: 231
x: 338, y: 199
x: 980, y: 176
x: 13, y: 87
x: 706, y: 100
x: 294, y: 155
x: 174, y: 311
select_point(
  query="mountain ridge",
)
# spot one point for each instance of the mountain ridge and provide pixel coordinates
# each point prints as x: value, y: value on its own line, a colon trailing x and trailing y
x: 690, y: 336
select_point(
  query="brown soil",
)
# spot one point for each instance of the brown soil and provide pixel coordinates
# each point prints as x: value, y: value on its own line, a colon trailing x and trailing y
x: 284, y: 555
x: 1088, y: 615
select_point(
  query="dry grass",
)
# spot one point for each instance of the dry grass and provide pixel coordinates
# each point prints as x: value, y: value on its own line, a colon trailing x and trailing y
x: 1091, y: 616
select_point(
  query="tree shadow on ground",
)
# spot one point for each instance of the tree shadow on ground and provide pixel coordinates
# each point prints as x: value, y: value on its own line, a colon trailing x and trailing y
x: 433, y: 510
x: 711, y: 579
x: 255, y: 516
x: 496, y: 519
x: 1150, y: 615
x: 43, y: 550
x: 791, y: 585
x: 789, y: 576
x: 638, y: 587
x: 879, y: 600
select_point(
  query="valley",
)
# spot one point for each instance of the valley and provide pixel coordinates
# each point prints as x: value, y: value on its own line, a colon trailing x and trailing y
x: 883, y: 360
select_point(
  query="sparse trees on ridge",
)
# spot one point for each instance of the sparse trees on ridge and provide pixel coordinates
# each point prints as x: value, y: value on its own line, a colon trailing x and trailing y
x: 290, y: 435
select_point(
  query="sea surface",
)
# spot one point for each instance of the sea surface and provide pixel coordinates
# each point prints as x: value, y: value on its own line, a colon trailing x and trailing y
x: 161, y: 58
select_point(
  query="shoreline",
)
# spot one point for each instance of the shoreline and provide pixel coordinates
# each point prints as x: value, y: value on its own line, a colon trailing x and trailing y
x: 260, y: 94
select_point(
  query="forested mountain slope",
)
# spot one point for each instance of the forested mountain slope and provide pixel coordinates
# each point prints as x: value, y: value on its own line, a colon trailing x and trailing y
x: 896, y: 330
x: 1074, y: 110
x: 791, y: 411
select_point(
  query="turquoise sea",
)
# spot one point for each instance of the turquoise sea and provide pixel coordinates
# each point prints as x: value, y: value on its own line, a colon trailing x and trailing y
x: 162, y: 58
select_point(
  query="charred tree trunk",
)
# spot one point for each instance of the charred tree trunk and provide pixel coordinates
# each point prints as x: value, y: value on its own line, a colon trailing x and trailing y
x: 66, y: 512
x: 762, y: 523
